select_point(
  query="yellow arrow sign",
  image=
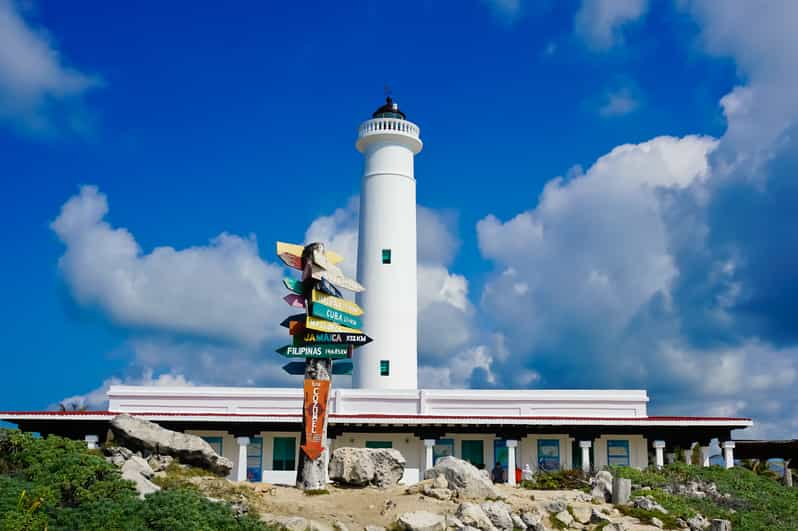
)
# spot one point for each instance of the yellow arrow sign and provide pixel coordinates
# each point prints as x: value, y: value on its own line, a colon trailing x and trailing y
x: 322, y: 325
x: 337, y: 303
x: 296, y: 250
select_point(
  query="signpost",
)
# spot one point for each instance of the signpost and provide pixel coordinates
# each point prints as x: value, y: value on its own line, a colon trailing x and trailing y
x: 328, y: 330
x: 336, y: 316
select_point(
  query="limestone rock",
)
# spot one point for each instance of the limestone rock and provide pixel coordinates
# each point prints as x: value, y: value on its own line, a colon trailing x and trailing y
x: 597, y: 517
x: 138, y: 471
x: 615, y: 526
x: 340, y: 526
x: 159, y: 463
x: 421, y: 521
x: 117, y: 455
x: 602, y: 485
x: 294, y: 523
x: 472, y: 515
x: 381, y: 467
x: 440, y: 482
x: 499, y: 514
x: 518, y: 523
x: 463, y: 478
x: 556, y: 506
x: 531, y: 519
x: 697, y: 522
x: 139, y: 434
x: 419, y: 487
x: 648, y: 503
x: 373, y: 528
x: 621, y: 490
x: 656, y: 522
x: 721, y: 525
x: 454, y: 522
x: 564, y: 517
x: 438, y: 494
x: 581, y: 513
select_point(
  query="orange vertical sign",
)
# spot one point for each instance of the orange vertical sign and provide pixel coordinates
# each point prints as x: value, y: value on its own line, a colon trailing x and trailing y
x: 315, y: 408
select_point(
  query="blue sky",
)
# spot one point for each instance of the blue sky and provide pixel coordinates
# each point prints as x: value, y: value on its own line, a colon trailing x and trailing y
x: 605, y: 186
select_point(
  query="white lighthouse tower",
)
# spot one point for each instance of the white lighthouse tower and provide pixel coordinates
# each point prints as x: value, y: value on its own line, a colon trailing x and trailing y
x: 386, y: 254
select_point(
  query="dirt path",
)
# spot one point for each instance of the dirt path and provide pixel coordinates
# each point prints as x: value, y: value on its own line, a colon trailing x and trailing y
x: 357, y: 508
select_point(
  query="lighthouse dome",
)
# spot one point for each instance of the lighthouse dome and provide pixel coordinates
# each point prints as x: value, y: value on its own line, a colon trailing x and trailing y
x: 389, y: 110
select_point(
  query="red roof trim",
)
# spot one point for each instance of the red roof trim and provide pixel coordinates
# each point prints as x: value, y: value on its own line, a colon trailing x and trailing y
x: 370, y: 416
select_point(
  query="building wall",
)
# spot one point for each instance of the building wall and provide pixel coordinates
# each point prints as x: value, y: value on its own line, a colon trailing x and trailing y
x: 437, y: 402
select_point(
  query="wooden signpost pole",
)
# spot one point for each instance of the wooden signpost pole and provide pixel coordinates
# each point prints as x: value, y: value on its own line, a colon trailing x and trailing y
x: 311, y: 472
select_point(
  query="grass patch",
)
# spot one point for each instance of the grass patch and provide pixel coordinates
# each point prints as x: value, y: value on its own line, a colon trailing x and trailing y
x: 316, y: 492
x: 756, y: 502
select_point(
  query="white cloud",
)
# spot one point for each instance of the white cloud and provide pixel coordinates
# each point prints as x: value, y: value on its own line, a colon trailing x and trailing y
x: 339, y: 232
x: 600, y: 22
x: 221, y: 291
x: 97, y: 399
x: 38, y: 92
x: 619, y: 103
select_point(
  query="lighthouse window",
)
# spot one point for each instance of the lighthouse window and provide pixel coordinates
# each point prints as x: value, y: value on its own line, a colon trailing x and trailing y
x: 386, y: 256
x: 385, y: 368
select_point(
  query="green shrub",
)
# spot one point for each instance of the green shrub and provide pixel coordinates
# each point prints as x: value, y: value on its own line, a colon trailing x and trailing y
x: 559, y: 480
x: 57, y: 484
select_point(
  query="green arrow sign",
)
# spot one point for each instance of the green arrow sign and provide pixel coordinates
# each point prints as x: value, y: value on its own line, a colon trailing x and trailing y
x: 295, y: 367
x: 315, y: 351
x: 336, y: 316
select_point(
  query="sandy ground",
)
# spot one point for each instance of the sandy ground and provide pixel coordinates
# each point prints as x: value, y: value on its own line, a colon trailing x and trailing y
x: 357, y: 508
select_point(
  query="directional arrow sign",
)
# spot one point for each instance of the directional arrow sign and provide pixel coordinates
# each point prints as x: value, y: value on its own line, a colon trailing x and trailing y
x: 291, y: 260
x: 316, y: 351
x: 314, y: 323
x: 299, y: 317
x: 309, y: 337
x: 336, y: 303
x: 325, y: 286
x: 295, y: 367
x: 342, y: 367
x: 294, y: 300
x: 292, y: 248
x: 334, y: 275
x: 325, y: 312
x: 314, y: 405
x: 294, y: 286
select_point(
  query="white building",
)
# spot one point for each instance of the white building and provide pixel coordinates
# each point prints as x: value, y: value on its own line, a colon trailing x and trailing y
x: 259, y: 428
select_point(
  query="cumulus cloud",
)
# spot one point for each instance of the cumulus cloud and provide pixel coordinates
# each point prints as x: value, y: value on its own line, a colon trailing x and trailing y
x: 599, y: 23
x: 222, y: 290
x: 97, y: 399
x: 39, y: 93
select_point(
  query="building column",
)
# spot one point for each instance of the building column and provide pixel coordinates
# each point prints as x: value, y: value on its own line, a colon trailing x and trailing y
x: 659, y: 450
x: 688, y: 454
x: 428, y: 444
x: 705, y: 456
x: 585, y: 446
x: 241, y: 469
x: 511, y: 446
x: 91, y: 441
x: 728, y: 454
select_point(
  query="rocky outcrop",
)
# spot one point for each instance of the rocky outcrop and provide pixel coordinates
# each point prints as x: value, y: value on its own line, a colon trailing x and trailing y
x: 139, y: 434
x: 721, y: 525
x: 621, y: 490
x: 294, y: 523
x: 137, y: 470
x: 463, y: 478
x: 472, y: 515
x: 381, y: 467
x: 602, y: 485
x: 499, y: 514
x: 421, y: 521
